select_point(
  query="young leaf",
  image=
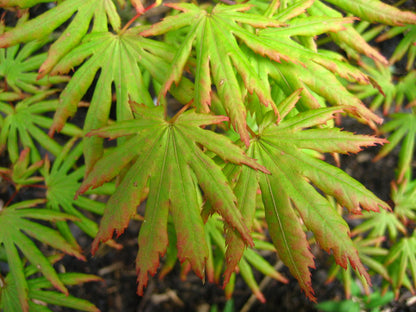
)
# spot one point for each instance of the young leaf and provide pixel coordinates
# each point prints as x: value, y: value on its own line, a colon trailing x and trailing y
x: 404, y: 197
x: 291, y: 190
x: 376, y: 11
x: 22, y: 173
x: 18, y: 66
x: 167, y: 169
x: 349, y: 38
x: 379, y: 224
x: 62, y: 181
x: 401, y: 261
x: 24, y: 122
x: 13, y: 222
x: 81, y: 12
x: 403, y: 128
x: 216, y: 46
x: 115, y: 58
x: 39, y: 294
x: 406, y: 45
x: 382, y: 75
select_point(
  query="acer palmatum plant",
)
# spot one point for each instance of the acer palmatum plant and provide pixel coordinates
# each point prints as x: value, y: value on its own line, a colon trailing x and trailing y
x: 237, y: 168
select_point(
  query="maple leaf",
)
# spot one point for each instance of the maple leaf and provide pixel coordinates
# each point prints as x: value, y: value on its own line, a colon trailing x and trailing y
x: 118, y: 59
x: 39, y: 291
x: 402, y: 258
x: 246, y: 258
x: 22, y: 172
x: 291, y: 191
x: 18, y: 65
x: 370, y: 253
x: 218, y: 54
x: 167, y: 168
x: 14, y: 223
x: 376, y: 11
x: 403, y: 128
x: 378, y: 224
x: 406, y: 45
x: 349, y: 38
x: 404, y: 197
x: 81, y: 13
x: 24, y: 121
x: 62, y: 180
x: 382, y: 75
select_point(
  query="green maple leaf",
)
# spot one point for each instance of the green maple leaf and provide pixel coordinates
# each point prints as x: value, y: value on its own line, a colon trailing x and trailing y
x: 99, y: 12
x: 349, y: 39
x: 406, y: 44
x: 21, y: 174
x: 218, y: 54
x: 376, y: 11
x: 403, y: 128
x: 15, y: 223
x: 378, y: 224
x: 291, y: 191
x: 119, y: 59
x: 40, y: 294
x: 167, y: 168
x: 246, y: 62
x: 24, y: 122
x: 383, y: 76
x: 404, y: 197
x: 62, y: 180
x: 370, y: 254
x: 18, y: 68
x: 401, y: 264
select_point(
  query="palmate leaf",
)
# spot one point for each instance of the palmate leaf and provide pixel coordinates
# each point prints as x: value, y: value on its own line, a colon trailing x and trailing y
x: 383, y: 76
x: 115, y: 58
x: 15, y: 224
x: 40, y: 293
x: 218, y: 54
x: 370, y: 254
x: 25, y: 123
x: 18, y: 66
x: 274, y: 42
x: 404, y: 198
x: 21, y: 174
x: 62, y: 180
x: 290, y: 190
x: 349, y: 39
x: 406, y: 45
x: 167, y: 169
x: 401, y: 264
x: 248, y: 260
x: 100, y: 12
x: 376, y: 11
x: 379, y: 224
x: 402, y: 127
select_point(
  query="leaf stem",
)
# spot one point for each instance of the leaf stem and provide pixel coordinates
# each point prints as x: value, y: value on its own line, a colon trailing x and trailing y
x: 140, y: 13
x: 253, y: 134
x: 184, y: 108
